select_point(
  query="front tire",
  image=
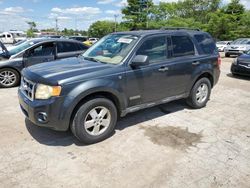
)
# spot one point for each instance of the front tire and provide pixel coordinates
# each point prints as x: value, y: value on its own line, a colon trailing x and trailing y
x: 94, y: 121
x: 9, y: 78
x: 200, y: 93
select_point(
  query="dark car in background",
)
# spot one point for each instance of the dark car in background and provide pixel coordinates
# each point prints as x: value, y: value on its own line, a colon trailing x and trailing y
x: 3, y: 50
x: 241, y: 65
x: 78, y: 38
x: 33, y: 52
x: 122, y: 73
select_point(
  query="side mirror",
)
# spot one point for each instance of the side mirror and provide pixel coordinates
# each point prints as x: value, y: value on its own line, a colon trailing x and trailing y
x: 139, y: 60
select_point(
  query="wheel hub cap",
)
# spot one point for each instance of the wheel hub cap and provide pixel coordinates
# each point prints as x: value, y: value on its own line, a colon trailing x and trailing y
x: 97, y: 120
x: 202, y: 92
x: 7, y: 78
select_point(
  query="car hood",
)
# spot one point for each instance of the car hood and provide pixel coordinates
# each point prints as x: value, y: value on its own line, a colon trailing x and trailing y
x: 244, y: 58
x: 64, y: 71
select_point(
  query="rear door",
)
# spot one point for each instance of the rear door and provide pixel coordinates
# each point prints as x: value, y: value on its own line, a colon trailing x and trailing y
x: 183, y: 58
x: 42, y: 53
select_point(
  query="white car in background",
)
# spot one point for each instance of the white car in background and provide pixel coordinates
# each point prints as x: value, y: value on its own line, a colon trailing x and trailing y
x: 238, y: 47
x: 221, y: 45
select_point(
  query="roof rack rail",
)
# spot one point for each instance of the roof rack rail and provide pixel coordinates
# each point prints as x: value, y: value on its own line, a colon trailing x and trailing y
x: 180, y: 28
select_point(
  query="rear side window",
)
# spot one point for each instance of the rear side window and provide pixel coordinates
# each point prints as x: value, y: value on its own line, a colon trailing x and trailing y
x: 182, y: 46
x: 206, y: 43
x: 155, y: 48
x: 66, y: 47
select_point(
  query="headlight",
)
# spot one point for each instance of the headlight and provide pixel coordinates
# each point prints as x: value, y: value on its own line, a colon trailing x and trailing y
x: 235, y: 61
x: 45, y: 91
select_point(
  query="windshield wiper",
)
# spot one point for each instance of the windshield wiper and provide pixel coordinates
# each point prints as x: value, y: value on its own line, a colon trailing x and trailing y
x: 93, y: 59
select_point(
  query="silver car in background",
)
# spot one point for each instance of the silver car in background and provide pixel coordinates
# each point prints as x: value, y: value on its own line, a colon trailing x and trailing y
x: 238, y: 47
x: 221, y: 45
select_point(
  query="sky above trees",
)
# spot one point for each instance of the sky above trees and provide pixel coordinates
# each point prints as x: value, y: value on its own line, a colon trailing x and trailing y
x: 73, y: 14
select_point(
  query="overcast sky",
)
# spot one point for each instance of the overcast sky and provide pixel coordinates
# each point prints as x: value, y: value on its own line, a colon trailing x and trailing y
x: 70, y: 13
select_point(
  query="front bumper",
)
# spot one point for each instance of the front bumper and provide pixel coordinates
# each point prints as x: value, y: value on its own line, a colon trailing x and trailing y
x: 242, y: 70
x: 51, y: 107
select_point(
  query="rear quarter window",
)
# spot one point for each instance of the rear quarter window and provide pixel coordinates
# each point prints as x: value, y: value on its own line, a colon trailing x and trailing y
x: 206, y: 43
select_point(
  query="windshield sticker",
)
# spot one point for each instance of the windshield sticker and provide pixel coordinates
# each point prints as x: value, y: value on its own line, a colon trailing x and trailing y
x: 124, y: 40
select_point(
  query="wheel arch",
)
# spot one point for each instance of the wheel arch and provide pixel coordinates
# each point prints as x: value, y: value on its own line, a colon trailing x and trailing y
x: 105, y: 94
x: 9, y: 67
x: 206, y: 75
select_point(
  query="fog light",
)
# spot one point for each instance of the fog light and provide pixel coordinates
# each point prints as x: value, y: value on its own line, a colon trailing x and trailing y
x: 42, y: 117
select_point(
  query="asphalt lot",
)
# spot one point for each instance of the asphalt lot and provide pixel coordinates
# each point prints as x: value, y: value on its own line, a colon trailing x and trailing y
x: 167, y: 146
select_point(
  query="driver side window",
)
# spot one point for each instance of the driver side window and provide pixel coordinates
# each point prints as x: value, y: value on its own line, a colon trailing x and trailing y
x: 42, y: 50
x: 155, y: 48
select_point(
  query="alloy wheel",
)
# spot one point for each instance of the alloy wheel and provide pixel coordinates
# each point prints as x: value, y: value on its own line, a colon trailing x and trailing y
x: 97, y: 121
x: 7, y: 78
x: 202, y: 93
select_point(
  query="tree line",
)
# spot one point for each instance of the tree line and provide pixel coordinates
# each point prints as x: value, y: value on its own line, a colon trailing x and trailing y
x: 223, y: 22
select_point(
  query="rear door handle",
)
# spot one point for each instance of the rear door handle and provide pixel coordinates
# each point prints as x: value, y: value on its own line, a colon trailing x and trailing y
x: 163, y: 69
x: 196, y: 63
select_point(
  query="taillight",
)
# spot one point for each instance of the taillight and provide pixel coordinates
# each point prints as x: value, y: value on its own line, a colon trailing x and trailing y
x: 219, y: 61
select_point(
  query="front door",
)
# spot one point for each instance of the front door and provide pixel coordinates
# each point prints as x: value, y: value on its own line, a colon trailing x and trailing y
x: 39, y: 54
x: 149, y: 83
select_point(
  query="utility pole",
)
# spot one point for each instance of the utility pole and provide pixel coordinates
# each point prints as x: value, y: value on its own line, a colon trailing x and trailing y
x: 56, y: 25
x: 116, y: 15
x: 75, y: 25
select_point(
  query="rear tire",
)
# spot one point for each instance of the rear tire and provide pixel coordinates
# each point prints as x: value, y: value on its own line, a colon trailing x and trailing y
x: 94, y: 121
x: 200, y: 94
x: 9, y: 78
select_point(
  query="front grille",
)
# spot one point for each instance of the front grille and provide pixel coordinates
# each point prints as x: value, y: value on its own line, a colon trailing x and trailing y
x: 28, y: 88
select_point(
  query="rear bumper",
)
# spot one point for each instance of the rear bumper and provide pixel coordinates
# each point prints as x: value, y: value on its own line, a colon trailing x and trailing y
x: 242, y: 70
x: 34, y: 110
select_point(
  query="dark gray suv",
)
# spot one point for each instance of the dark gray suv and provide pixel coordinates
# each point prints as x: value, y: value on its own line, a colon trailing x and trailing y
x: 122, y: 73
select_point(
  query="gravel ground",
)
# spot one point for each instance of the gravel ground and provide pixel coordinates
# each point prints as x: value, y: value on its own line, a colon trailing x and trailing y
x: 167, y: 146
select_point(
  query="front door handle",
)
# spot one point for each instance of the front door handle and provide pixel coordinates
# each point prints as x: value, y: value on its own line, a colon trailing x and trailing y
x: 163, y: 69
x: 196, y: 63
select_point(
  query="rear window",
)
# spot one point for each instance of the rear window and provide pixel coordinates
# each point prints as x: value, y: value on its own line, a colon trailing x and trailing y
x: 66, y: 47
x: 182, y: 46
x: 206, y: 43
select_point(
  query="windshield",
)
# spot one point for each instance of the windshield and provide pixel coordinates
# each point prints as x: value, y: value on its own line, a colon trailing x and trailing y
x: 111, y: 49
x: 20, y: 47
x: 221, y: 42
x: 241, y: 41
x: 245, y: 41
